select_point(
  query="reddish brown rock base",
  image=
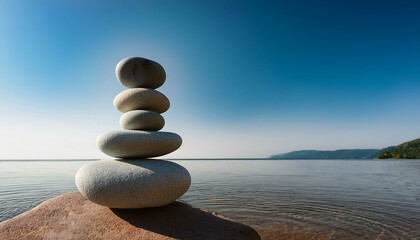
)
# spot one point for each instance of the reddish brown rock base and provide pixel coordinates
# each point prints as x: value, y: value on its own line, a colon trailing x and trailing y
x: 71, y: 216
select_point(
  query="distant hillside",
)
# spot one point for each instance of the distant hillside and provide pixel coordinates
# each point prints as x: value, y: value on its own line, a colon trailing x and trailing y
x: 407, y: 150
x: 337, y: 154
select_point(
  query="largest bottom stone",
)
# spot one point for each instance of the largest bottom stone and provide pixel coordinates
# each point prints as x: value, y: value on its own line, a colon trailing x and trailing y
x: 133, y: 183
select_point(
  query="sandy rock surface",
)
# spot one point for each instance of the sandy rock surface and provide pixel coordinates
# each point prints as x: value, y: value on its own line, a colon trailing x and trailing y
x: 71, y: 216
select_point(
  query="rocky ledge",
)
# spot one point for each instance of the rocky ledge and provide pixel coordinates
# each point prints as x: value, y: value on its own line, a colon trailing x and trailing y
x: 71, y: 216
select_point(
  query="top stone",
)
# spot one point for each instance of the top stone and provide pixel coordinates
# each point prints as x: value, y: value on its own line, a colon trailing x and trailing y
x: 137, y: 72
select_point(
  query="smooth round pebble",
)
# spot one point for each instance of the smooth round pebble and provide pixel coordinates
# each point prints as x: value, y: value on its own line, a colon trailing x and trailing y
x: 137, y: 72
x: 132, y: 183
x: 142, y: 120
x: 138, y: 144
x: 141, y: 99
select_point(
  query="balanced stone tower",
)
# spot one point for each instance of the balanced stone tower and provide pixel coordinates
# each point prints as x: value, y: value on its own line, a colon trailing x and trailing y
x: 133, y: 180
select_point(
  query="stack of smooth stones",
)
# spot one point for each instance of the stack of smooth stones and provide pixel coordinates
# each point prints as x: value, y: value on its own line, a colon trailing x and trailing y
x: 133, y: 180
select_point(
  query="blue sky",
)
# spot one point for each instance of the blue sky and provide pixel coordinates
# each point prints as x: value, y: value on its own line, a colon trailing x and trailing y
x: 245, y: 78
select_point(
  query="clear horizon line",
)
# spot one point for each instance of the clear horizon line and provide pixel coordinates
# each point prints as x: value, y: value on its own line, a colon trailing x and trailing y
x: 92, y: 159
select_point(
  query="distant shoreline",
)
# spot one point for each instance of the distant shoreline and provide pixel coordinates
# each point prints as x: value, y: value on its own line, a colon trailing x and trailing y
x: 406, y: 150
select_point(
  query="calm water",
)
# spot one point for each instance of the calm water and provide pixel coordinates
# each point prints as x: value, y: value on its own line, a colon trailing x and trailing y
x: 281, y: 199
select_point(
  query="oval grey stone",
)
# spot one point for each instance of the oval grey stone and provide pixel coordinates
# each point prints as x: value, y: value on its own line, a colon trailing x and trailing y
x: 142, y: 120
x: 141, y: 99
x: 138, y: 144
x: 132, y: 183
x: 137, y: 72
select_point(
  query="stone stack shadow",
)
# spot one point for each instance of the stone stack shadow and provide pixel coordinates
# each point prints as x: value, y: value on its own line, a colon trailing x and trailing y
x: 133, y: 180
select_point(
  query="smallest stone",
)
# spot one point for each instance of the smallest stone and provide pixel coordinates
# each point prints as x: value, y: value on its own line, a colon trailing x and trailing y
x: 137, y: 72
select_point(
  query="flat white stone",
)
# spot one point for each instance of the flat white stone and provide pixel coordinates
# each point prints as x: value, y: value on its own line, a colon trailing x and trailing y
x: 142, y: 120
x: 141, y: 99
x: 138, y: 144
x: 137, y: 72
x: 132, y: 183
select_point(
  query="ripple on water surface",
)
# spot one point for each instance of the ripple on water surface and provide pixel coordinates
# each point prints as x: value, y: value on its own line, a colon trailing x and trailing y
x: 281, y: 199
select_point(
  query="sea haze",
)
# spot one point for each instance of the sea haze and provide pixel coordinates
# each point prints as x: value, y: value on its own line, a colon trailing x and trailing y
x: 318, y: 199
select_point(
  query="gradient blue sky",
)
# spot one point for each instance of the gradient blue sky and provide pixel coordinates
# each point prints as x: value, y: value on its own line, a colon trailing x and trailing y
x: 245, y: 78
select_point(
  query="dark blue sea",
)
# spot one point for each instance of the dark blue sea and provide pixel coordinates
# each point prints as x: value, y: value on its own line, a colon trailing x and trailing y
x: 281, y: 199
